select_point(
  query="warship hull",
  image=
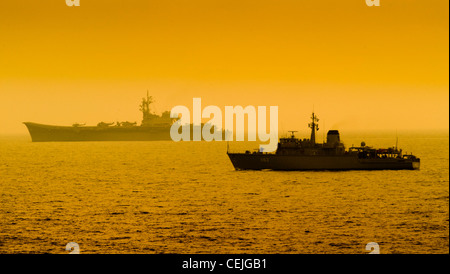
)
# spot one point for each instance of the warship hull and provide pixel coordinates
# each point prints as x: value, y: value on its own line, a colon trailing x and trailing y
x: 50, y: 133
x: 260, y: 161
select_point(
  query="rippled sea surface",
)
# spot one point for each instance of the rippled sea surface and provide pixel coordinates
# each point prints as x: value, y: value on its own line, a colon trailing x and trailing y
x: 167, y: 197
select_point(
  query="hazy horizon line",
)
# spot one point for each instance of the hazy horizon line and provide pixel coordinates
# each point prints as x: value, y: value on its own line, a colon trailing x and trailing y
x: 305, y: 133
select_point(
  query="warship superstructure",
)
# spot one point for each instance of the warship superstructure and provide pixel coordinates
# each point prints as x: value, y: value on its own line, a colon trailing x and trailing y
x: 153, y: 128
x: 296, y: 154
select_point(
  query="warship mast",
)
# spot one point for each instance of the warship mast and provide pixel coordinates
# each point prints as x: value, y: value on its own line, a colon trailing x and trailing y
x: 145, y: 108
x: 314, y: 127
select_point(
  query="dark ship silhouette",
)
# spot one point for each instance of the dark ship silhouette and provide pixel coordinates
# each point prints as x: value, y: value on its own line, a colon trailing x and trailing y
x: 153, y: 128
x: 296, y: 154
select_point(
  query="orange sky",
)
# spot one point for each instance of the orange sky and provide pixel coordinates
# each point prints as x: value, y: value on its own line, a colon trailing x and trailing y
x: 365, y: 68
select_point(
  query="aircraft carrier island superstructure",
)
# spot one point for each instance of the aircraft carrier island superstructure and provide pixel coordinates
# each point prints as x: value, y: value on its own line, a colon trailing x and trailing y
x: 297, y: 154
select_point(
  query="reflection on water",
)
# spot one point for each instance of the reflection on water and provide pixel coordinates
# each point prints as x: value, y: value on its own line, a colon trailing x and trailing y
x: 166, y: 197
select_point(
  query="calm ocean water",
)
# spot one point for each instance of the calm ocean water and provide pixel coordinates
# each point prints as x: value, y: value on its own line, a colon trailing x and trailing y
x: 167, y: 197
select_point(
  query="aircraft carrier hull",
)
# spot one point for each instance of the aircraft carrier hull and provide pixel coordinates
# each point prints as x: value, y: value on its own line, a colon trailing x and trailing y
x: 260, y: 161
x: 49, y: 133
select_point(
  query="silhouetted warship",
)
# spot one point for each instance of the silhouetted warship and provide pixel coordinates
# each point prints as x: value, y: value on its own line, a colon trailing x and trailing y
x: 153, y: 128
x: 296, y: 154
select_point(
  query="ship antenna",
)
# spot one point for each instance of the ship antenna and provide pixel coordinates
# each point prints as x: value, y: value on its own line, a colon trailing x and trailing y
x: 323, y: 132
x: 396, y: 141
x: 314, y: 127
